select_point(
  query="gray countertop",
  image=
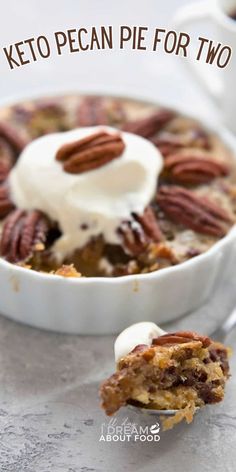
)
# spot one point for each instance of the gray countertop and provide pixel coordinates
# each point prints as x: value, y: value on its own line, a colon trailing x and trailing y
x: 50, y: 418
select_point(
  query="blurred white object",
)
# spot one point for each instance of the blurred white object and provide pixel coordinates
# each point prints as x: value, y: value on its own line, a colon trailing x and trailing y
x: 218, y: 81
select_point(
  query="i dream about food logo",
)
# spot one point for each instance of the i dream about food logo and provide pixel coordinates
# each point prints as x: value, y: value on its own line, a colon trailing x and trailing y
x: 135, y: 38
x: 127, y: 431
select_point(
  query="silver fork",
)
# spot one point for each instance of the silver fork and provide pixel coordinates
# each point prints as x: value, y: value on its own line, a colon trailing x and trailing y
x: 218, y: 335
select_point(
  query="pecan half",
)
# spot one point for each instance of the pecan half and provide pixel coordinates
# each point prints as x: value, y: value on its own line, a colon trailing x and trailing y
x: 148, y: 127
x: 95, y: 111
x: 11, y: 144
x: 201, y: 139
x: 133, y: 236
x: 197, y: 213
x: 181, y: 337
x: 91, y: 152
x: 23, y: 234
x: 4, y: 171
x: 170, y: 143
x: 137, y: 234
x: 193, y: 169
x: 6, y: 204
x: 149, y: 223
x: 92, y: 112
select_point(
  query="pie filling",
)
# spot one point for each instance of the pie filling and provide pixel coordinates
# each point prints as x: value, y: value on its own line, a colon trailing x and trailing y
x: 115, y: 187
x: 174, y: 373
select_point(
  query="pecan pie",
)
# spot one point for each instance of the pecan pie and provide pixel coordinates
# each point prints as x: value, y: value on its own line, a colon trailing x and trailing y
x: 194, y: 205
x: 178, y: 371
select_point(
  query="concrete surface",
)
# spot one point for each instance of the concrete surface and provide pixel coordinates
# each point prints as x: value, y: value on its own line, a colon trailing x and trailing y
x: 50, y: 420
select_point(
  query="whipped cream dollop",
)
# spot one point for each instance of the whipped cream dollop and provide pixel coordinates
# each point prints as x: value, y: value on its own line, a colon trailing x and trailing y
x: 138, y: 333
x: 91, y: 203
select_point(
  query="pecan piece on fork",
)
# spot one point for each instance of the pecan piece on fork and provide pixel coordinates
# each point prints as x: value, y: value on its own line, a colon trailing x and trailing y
x: 23, y: 234
x: 195, y: 212
x: 180, y: 337
x: 91, y: 152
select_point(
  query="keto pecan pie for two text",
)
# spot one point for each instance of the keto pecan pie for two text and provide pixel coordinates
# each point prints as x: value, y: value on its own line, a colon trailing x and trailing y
x: 193, y: 206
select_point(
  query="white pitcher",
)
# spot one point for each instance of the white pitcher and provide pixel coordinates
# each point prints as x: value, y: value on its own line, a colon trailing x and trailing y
x: 219, y: 83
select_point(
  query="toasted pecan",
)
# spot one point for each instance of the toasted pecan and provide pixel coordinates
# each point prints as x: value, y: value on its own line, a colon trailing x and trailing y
x: 169, y: 143
x: 4, y: 171
x: 149, y: 224
x: 193, y: 169
x: 133, y: 236
x: 137, y: 234
x: 180, y: 337
x: 148, y: 127
x: 91, y: 152
x: 92, y: 112
x: 6, y: 205
x: 11, y: 144
x: 23, y: 233
x: 12, y: 137
x: 197, y: 213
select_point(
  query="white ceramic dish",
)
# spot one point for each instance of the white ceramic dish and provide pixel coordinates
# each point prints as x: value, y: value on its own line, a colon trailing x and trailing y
x: 108, y: 305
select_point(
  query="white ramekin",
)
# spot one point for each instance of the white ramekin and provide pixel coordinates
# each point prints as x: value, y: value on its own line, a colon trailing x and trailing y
x: 107, y: 306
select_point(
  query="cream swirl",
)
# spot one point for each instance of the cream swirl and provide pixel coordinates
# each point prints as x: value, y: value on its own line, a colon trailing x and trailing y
x: 138, y: 333
x: 88, y: 204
